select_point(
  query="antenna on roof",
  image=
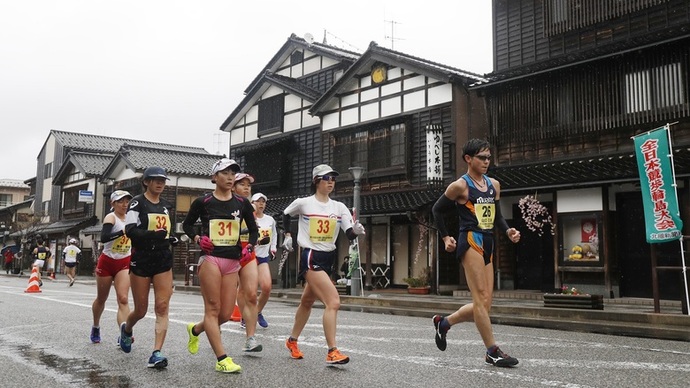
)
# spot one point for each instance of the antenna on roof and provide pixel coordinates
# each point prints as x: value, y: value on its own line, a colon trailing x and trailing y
x: 328, y: 33
x: 219, y: 141
x: 309, y: 38
x: 392, y: 35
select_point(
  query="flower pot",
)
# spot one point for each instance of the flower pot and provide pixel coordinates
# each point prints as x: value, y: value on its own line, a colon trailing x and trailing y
x: 595, y: 302
x: 418, y: 290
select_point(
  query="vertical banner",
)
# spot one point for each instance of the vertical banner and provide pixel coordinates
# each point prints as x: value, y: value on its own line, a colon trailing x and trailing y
x: 657, y: 181
x: 434, y: 154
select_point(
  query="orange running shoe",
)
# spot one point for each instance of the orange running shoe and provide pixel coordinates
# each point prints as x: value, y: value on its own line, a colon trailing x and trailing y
x: 335, y: 357
x: 294, y: 350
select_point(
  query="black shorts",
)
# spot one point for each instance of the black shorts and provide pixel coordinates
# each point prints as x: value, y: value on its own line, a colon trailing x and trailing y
x: 480, y: 242
x: 315, y: 261
x: 147, y: 263
x: 70, y: 265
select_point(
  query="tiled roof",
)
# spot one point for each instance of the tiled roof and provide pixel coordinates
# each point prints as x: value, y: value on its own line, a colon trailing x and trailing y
x: 174, y: 162
x: 13, y: 183
x: 293, y: 85
x: 590, y: 170
x: 370, y: 203
x: 91, y: 164
x: 97, y: 143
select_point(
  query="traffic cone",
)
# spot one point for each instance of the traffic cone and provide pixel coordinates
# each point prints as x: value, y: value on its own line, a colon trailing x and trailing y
x: 236, y: 315
x: 33, y: 281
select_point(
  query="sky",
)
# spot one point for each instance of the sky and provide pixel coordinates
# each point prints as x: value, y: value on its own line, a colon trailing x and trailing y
x: 172, y: 71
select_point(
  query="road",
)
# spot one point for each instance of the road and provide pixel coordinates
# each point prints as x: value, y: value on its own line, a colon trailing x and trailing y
x: 44, y: 341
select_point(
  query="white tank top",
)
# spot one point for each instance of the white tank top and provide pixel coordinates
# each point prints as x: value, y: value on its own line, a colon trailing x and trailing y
x: 121, y: 247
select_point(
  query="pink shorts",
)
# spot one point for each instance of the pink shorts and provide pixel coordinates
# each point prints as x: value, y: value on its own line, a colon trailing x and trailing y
x: 226, y: 266
x: 107, y: 266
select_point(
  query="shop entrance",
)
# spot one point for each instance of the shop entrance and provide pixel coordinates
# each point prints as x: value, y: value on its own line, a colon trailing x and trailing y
x: 534, y: 261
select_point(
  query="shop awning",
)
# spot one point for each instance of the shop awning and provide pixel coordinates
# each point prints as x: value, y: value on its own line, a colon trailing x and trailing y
x: 585, y: 171
x: 371, y: 203
x: 67, y: 226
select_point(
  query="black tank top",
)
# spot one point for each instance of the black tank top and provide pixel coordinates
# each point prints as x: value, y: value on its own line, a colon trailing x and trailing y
x: 477, y: 214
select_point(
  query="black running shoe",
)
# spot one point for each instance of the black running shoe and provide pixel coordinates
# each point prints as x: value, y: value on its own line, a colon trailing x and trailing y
x: 498, y: 358
x: 440, y: 336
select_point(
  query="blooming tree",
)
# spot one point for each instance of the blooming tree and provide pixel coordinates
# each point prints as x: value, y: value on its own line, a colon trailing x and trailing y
x: 535, y: 215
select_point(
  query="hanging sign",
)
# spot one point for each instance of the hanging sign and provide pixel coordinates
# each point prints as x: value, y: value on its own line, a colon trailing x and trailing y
x: 657, y: 181
x: 434, y: 153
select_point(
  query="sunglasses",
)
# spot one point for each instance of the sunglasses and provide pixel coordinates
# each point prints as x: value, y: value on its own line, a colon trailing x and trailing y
x: 327, y: 178
x: 483, y: 158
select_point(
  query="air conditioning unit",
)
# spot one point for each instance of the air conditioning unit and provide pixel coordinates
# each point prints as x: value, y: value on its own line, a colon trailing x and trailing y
x: 178, y: 228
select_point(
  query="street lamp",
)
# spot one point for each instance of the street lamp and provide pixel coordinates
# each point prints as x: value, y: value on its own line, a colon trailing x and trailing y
x: 356, y: 288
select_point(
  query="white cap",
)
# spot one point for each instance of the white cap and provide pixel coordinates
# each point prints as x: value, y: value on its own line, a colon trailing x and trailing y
x: 72, y: 241
x: 323, y: 169
x: 223, y: 164
x: 258, y: 196
x: 243, y: 175
x: 119, y: 194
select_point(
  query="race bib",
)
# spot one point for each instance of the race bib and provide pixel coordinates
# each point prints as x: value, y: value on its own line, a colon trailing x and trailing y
x: 41, y: 255
x: 263, y: 233
x: 121, y: 245
x: 485, y: 215
x: 159, y: 221
x: 224, y: 232
x: 322, y: 229
x: 244, y: 237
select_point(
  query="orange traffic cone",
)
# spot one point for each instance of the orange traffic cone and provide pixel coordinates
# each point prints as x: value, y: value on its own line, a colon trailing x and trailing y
x: 33, y: 281
x: 236, y: 315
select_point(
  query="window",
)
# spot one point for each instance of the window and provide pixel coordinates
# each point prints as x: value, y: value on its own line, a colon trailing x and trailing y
x: 271, y: 111
x: 379, y: 148
x: 659, y: 87
x: 5, y: 200
x: 71, y: 200
x: 296, y: 57
x: 48, y: 170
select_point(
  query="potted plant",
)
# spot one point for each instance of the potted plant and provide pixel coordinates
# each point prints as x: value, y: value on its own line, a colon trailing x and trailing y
x: 571, y: 297
x: 419, y: 284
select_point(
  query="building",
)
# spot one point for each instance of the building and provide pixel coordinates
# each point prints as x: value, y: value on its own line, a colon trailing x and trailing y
x: 393, y: 114
x: 573, y: 81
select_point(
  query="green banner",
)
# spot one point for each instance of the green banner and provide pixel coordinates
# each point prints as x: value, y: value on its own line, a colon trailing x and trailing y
x: 657, y: 181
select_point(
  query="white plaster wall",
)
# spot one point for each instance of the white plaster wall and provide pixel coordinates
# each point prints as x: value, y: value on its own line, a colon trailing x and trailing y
x: 330, y: 121
x: 394, y: 73
x: 312, y: 65
x: 292, y: 102
x: 251, y: 132
x: 350, y: 116
x: 579, y: 200
x: 252, y: 114
x: 390, y: 106
x: 50, y: 150
x: 296, y: 70
x: 369, y: 112
x: 440, y: 94
x: 392, y: 88
x: 237, y: 136
x: 309, y: 120
x: 292, y: 121
x: 414, y: 82
x: 413, y: 101
x: 349, y: 100
x: 271, y: 91
x: 327, y: 62
x: 368, y: 95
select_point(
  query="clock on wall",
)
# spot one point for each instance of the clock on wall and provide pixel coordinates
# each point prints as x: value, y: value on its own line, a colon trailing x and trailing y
x: 378, y: 74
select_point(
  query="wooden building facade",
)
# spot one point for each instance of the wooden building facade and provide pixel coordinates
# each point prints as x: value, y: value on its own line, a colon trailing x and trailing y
x: 574, y: 80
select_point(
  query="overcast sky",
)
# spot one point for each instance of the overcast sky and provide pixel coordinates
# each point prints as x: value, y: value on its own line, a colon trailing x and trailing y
x: 172, y: 71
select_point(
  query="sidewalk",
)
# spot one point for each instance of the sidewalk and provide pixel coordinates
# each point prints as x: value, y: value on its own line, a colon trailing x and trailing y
x: 622, y: 316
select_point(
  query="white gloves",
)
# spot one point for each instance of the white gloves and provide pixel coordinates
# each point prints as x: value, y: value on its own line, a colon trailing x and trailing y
x: 358, y: 228
x: 287, y: 244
